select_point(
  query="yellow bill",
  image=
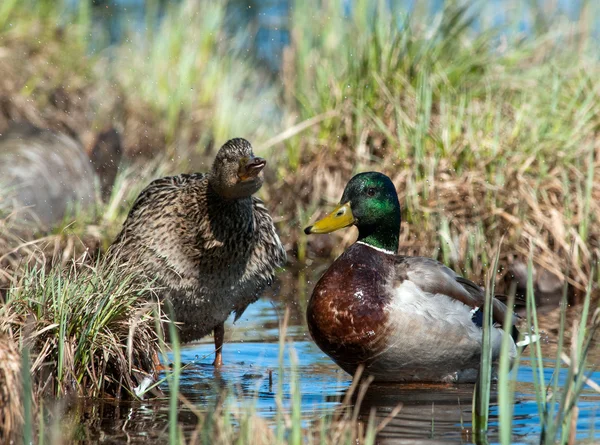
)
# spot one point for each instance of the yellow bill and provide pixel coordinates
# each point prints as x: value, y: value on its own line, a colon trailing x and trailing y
x: 338, y: 219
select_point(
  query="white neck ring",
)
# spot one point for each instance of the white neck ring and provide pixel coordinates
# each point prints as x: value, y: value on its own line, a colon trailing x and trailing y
x: 388, y: 252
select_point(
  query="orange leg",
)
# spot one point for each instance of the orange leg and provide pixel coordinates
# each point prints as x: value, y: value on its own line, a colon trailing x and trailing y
x: 219, y: 334
x: 158, y: 366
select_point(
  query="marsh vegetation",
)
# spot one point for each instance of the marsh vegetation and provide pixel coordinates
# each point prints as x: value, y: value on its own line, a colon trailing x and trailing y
x: 488, y: 133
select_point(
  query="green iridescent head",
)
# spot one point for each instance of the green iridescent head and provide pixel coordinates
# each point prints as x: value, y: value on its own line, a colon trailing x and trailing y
x: 369, y: 202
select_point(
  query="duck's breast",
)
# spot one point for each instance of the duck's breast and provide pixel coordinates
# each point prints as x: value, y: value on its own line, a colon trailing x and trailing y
x: 347, y: 314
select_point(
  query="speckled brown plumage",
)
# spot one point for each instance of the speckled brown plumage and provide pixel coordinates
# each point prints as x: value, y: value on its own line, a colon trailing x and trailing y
x: 203, y: 237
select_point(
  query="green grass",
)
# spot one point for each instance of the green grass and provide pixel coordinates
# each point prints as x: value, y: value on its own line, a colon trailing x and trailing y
x: 482, y: 390
x: 174, y: 433
x: 191, y: 73
x: 182, y: 86
x: 485, y: 134
x: 90, y: 328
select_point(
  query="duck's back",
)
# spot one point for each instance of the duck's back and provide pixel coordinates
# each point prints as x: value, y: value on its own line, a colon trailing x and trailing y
x: 158, y: 235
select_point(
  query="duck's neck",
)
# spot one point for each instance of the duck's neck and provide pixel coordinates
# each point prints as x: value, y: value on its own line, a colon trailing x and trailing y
x: 384, y: 236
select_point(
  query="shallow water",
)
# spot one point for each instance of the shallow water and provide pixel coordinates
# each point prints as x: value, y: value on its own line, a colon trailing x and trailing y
x: 251, y: 353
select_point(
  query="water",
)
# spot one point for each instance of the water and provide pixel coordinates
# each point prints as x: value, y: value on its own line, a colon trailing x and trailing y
x: 430, y: 414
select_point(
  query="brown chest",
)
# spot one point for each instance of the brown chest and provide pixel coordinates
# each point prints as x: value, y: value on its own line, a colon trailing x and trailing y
x: 347, y: 315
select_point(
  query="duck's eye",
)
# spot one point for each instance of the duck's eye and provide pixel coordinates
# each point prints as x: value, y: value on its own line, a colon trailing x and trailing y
x: 371, y: 191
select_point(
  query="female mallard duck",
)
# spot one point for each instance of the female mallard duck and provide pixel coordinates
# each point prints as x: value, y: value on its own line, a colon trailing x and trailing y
x: 208, y: 242
x: 403, y: 318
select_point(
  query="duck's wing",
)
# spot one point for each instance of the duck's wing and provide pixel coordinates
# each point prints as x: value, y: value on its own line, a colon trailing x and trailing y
x: 268, y: 252
x: 154, y: 221
x: 269, y: 248
x: 433, y: 277
x: 159, y: 193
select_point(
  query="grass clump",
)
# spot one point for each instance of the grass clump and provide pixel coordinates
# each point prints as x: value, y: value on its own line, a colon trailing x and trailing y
x: 484, y: 134
x: 47, y: 74
x: 183, y: 85
x: 90, y: 329
x: 198, y: 78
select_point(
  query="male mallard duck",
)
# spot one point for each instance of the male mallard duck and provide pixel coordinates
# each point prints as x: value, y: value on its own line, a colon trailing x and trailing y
x: 403, y: 318
x: 208, y: 242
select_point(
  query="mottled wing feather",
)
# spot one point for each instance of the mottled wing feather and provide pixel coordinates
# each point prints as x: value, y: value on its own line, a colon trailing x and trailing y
x: 269, y: 248
x: 268, y: 252
x: 144, y: 236
x: 158, y: 190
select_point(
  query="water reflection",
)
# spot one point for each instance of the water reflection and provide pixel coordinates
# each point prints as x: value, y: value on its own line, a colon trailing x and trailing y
x: 428, y: 412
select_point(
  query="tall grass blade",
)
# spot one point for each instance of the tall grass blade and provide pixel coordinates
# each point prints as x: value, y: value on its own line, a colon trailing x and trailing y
x: 84, y: 20
x: 481, y: 396
x: 535, y: 350
x: 506, y: 397
x: 582, y: 338
x: 41, y: 424
x: 589, y: 185
x: 553, y: 403
x: 296, y: 433
x: 279, y: 419
x: 27, y: 396
x: 174, y: 381
x: 6, y: 9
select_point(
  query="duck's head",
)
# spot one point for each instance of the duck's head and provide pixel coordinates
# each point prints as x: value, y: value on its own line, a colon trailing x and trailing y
x: 236, y: 172
x: 369, y: 202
